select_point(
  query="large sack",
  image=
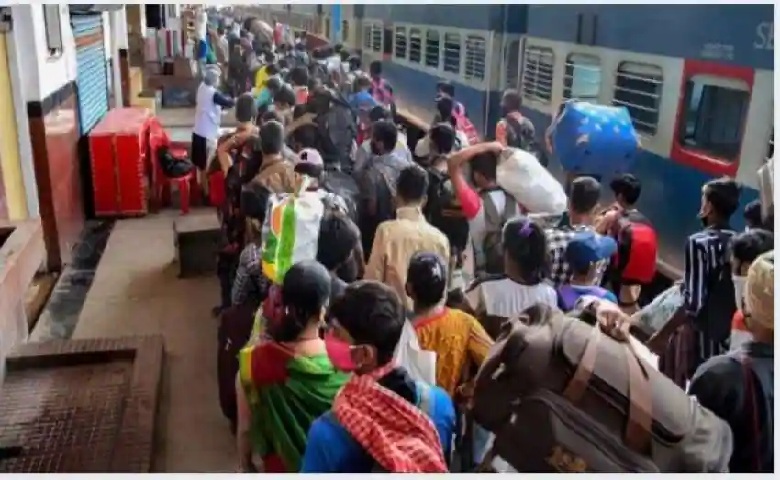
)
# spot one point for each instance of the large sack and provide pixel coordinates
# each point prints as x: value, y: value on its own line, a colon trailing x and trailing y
x: 595, y: 139
x: 521, y: 174
x: 562, y: 396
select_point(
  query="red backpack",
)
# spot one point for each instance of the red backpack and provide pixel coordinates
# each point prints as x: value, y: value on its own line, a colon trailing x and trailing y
x: 465, y: 126
x: 635, y: 259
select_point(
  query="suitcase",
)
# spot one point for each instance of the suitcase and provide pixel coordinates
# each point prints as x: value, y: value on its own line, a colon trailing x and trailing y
x: 562, y: 396
x: 235, y: 327
x: 595, y: 139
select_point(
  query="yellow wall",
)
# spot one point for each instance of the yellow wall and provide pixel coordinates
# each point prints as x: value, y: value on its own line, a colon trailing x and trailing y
x: 9, y: 146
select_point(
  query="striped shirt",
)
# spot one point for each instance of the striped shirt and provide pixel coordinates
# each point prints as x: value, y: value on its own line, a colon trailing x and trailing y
x: 705, y: 252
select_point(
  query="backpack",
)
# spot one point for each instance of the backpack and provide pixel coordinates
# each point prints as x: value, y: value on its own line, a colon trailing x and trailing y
x: 345, y: 187
x: 338, y: 132
x: 443, y: 209
x: 635, y: 259
x: 714, y: 317
x: 520, y: 133
x: 560, y: 395
x: 464, y: 125
x: 492, y: 246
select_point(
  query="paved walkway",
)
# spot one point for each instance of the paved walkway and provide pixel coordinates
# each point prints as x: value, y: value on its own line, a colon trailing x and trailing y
x: 136, y: 292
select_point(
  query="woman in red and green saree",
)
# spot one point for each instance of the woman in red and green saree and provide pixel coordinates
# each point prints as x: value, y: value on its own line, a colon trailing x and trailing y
x: 287, y: 381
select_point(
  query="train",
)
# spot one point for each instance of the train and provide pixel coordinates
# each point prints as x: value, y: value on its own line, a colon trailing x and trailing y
x: 697, y: 81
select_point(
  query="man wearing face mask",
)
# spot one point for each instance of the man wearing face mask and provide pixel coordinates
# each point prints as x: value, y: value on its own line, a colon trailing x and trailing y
x: 703, y: 323
x: 381, y: 420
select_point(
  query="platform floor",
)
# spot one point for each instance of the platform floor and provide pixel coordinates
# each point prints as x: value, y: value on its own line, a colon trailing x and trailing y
x: 136, y: 292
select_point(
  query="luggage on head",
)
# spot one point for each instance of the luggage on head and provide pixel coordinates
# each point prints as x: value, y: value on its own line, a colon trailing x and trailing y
x: 595, y: 139
x: 342, y: 184
x: 560, y: 395
x: 533, y: 186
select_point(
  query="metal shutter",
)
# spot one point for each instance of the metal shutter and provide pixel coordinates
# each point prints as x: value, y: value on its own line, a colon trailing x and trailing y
x: 91, y: 72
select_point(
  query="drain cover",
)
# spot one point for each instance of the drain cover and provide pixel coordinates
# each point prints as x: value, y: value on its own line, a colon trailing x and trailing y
x: 80, y: 406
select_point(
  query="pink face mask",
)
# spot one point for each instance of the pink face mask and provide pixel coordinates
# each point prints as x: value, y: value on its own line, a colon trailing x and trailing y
x: 339, y: 353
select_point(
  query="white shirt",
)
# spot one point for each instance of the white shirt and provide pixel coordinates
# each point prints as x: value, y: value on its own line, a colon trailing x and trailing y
x: 423, y: 147
x: 506, y: 298
x: 208, y: 114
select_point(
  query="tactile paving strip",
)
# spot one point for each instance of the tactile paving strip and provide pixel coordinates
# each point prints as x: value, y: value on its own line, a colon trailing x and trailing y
x: 80, y: 406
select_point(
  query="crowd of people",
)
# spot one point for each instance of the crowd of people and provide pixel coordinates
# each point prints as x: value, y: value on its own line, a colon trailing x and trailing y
x: 424, y: 253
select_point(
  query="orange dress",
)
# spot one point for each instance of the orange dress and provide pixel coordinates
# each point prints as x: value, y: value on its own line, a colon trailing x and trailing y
x: 456, y: 337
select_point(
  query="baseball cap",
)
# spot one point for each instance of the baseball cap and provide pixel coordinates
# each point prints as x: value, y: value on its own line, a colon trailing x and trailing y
x: 309, y: 156
x: 585, y: 248
x: 760, y: 290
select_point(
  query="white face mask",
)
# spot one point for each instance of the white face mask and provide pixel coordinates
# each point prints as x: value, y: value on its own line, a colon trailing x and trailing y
x: 739, y: 289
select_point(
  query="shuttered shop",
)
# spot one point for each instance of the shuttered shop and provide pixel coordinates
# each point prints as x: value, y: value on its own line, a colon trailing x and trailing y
x: 91, y: 72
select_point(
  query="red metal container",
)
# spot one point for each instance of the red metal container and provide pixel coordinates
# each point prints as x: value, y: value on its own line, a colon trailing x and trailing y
x: 120, y: 177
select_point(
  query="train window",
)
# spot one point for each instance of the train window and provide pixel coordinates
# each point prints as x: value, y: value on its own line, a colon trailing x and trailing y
x: 432, y: 47
x: 376, y: 38
x: 367, y: 37
x: 344, y: 31
x: 582, y: 77
x: 512, y: 62
x: 638, y: 88
x: 452, y: 52
x: 538, y: 73
x: 400, y: 42
x: 714, y: 116
x: 415, y: 45
x: 476, y: 54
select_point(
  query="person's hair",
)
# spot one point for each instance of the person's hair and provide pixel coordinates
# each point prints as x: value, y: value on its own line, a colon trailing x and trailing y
x: 372, y: 314
x: 485, y: 164
x: 446, y: 88
x: 445, y: 106
x: 306, y: 136
x: 344, y: 55
x: 271, y: 116
x: 299, y: 76
x: 427, y: 279
x: 412, y: 185
x: 268, y: 56
x: 254, y: 200
x: 355, y: 63
x: 272, y: 69
x: 271, y: 138
x: 361, y: 82
x: 282, y: 64
x: 442, y: 136
x: 274, y: 84
x: 285, y: 95
x: 386, y: 132
x: 300, y: 47
x: 379, y: 112
x: 512, y: 99
x: 723, y: 195
x: 338, y: 48
x: 375, y: 68
x: 628, y: 186
x: 338, y: 238
x: 220, y: 30
x: 525, y: 243
x: 747, y: 246
x: 313, y: 171
x: 246, y: 109
x: 584, y: 194
x: 752, y: 214
x: 305, y: 292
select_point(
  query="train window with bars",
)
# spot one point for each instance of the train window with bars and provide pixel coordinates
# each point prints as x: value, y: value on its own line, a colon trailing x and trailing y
x: 638, y: 88
x: 432, y: 48
x: 452, y: 53
x: 582, y: 77
x: 344, y: 31
x: 538, y: 74
x: 476, y: 56
x: 400, y: 42
x: 376, y: 37
x: 367, y: 36
x: 415, y: 45
x: 512, y: 64
x: 714, y: 116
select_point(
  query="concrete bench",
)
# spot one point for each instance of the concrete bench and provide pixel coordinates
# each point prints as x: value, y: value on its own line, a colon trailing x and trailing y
x: 196, y: 238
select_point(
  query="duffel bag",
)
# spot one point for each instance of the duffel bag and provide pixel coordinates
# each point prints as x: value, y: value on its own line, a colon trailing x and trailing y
x: 562, y: 396
x: 594, y: 139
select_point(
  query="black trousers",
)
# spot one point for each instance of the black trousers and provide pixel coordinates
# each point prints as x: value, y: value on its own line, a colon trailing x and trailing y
x: 227, y: 264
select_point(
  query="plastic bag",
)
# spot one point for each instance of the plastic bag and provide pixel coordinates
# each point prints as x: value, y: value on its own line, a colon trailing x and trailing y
x: 523, y: 177
x: 595, y: 139
x: 421, y: 364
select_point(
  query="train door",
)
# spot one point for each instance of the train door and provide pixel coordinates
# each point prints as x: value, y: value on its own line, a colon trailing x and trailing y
x: 712, y: 116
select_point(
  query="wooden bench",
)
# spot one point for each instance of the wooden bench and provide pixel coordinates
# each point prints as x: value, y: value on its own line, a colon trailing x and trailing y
x: 196, y: 240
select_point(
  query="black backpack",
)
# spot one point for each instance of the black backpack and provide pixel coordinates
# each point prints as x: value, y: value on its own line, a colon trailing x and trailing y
x: 493, y: 245
x: 443, y: 209
x: 343, y: 185
x: 714, y: 318
x: 338, y: 132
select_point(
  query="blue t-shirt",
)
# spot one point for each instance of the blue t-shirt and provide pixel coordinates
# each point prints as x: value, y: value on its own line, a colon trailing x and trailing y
x: 362, y: 101
x: 569, y: 294
x: 331, y: 449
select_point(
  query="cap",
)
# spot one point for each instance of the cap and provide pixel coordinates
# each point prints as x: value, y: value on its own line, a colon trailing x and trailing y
x: 309, y: 156
x: 588, y: 247
x: 760, y: 290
